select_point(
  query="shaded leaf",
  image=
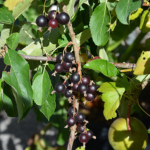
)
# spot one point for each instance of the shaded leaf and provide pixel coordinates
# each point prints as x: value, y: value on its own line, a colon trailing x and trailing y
x: 102, y: 53
x: 13, y: 40
x: 99, y: 24
x: 80, y: 148
x: 4, y: 35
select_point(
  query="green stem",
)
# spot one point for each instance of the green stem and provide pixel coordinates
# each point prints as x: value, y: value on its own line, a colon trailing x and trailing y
x: 43, y: 131
x: 132, y: 47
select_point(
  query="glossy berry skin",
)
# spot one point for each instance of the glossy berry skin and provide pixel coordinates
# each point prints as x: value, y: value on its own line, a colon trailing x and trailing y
x: 85, y: 80
x: 68, y: 57
x: 75, y: 78
x: 82, y: 88
x: 90, y: 134
x: 92, y: 88
x: 59, y: 57
x: 63, y: 18
x: 75, y: 87
x: 51, y: 15
x: 58, y: 68
x: 71, y: 121
x: 83, y: 138
x: 41, y: 21
x: 53, y: 23
x: 80, y: 128
x: 60, y: 88
x: 65, y: 70
x: 90, y: 97
x: 80, y: 117
x: 67, y: 65
x: 70, y: 111
x: 67, y: 93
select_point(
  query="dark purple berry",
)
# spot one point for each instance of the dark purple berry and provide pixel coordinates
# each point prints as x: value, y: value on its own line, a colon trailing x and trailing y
x: 58, y: 68
x: 53, y: 23
x: 83, y: 138
x: 51, y: 15
x: 71, y: 121
x: 85, y: 80
x: 70, y: 111
x: 80, y: 128
x: 65, y: 70
x: 90, y: 97
x: 90, y: 134
x: 80, y: 117
x: 41, y: 21
x: 59, y: 57
x: 92, y: 88
x: 60, y: 88
x: 75, y: 87
x: 67, y: 65
x: 68, y: 57
x: 82, y: 88
x: 75, y: 78
x: 68, y: 81
x: 63, y: 18
x: 67, y: 93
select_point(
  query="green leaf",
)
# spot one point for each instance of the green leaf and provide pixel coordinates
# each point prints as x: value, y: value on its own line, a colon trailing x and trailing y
x: 148, y: 130
x: 112, y: 94
x: 42, y: 96
x: 4, y: 36
x: 6, y: 15
x: 13, y: 40
x: 80, y: 148
x: 21, y: 7
x: 125, y: 8
x: 19, y: 80
x: 70, y: 8
x: 99, y: 24
x: 102, y: 66
x: 102, y: 53
x: 1, y: 93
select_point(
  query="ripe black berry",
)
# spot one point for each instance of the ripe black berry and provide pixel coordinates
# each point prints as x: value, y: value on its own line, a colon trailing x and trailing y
x: 70, y: 111
x: 90, y: 97
x: 58, y: 68
x: 68, y: 57
x: 85, y: 80
x: 51, y: 15
x: 68, y: 81
x: 53, y: 23
x: 75, y: 87
x: 75, y: 78
x: 41, y: 21
x: 90, y: 134
x: 92, y: 88
x: 71, y: 121
x: 65, y: 70
x: 67, y: 65
x: 80, y: 128
x: 82, y: 88
x: 83, y: 138
x: 63, y: 18
x: 80, y: 117
x: 67, y: 93
x: 60, y: 88
x: 59, y: 57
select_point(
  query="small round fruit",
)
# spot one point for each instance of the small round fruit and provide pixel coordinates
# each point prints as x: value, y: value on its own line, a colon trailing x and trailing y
x: 85, y: 80
x: 75, y: 78
x: 58, y: 68
x: 90, y: 97
x: 96, y: 57
x: 82, y: 88
x: 41, y: 21
x: 83, y: 58
x: 51, y: 15
x: 120, y: 138
x: 53, y: 23
x: 68, y: 81
x: 68, y: 57
x: 67, y: 93
x: 63, y: 18
x: 83, y: 138
x: 92, y: 88
x: 80, y: 117
x: 75, y: 87
x: 70, y: 111
x: 67, y: 65
x: 71, y: 121
x: 80, y: 128
x: 90, y: 134
x: 60, y: 88
x: 59, y: 57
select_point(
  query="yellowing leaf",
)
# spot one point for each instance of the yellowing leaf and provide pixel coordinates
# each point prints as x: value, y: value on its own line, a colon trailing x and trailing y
x: 143, y: 64
x: 112, y: 94
x: 135, y: 14
x: 11, y: 3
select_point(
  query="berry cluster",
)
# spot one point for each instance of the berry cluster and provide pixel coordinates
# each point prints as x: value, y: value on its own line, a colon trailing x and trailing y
x: 53, y: 19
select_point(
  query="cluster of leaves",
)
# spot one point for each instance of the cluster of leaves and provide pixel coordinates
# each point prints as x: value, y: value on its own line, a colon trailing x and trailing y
x: 99, y: 25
